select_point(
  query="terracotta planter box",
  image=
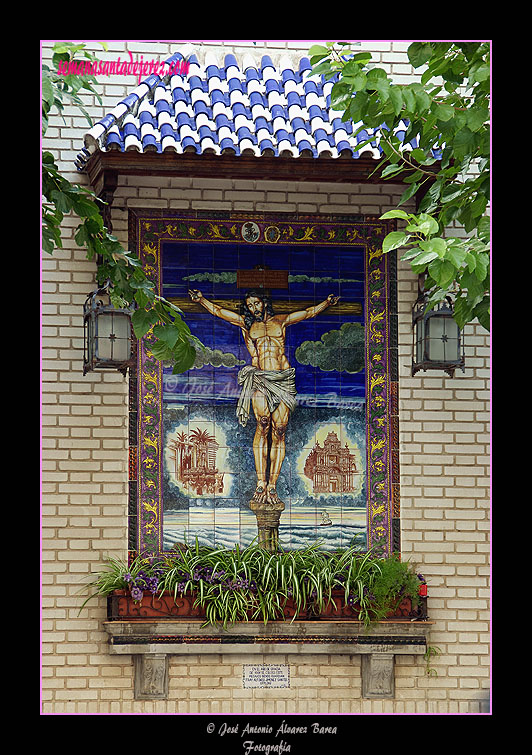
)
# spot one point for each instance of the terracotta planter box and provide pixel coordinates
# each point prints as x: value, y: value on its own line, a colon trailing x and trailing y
x: 121, y: 606
x: 339, y: 610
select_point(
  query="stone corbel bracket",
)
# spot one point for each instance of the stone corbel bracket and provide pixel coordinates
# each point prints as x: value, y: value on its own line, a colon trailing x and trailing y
x: 150, y: 642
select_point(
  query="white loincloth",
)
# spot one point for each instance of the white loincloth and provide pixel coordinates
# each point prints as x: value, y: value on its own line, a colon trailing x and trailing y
x: 276, y: 385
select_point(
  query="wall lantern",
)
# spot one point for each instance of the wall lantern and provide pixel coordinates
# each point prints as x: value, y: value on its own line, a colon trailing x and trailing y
x: 437, y: 338
x: 108, y: 334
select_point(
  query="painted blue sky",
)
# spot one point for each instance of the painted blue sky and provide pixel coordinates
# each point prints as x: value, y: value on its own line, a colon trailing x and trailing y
x: 314, y: 273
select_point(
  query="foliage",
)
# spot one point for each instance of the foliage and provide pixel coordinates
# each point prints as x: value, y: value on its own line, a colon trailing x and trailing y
x: 140, y: 575
x: 394, y: 582
x: 121, y: 268
x: 431, y: 652
x: 448, y: 112
x: 236, y: 584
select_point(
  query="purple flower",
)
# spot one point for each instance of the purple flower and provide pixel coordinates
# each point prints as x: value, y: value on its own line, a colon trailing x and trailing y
x: 127, y: 577
x: 136, y: 594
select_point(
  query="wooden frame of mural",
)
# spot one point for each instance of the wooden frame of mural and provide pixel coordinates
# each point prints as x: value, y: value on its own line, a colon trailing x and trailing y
x: 318, y: 460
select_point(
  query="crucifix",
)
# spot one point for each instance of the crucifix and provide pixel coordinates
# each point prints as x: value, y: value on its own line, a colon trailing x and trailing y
x: 267, y: 384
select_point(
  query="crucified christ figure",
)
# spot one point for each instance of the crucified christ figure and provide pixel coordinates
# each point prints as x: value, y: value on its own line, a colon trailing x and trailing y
x: 268, y: 383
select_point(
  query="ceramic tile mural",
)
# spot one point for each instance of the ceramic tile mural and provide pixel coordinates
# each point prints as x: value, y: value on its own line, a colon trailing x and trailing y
x: 280, y: 433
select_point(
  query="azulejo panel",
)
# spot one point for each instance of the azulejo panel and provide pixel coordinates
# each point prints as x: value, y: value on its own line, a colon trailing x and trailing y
x: 281, y: 432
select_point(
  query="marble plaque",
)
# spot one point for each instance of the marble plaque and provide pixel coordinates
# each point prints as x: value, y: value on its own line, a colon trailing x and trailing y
x: 266, y: 676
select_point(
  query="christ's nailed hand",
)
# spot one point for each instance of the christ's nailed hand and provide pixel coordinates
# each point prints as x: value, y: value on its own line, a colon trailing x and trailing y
x: 332, y: 299
x: 195, y: 295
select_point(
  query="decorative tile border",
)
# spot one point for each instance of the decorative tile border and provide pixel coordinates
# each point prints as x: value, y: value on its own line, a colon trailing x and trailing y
x: 148, y: 230
x: 242, y: 639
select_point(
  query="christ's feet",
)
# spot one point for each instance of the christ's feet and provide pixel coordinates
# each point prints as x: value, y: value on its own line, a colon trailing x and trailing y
x: 272, y: 495
x: 259, y: 496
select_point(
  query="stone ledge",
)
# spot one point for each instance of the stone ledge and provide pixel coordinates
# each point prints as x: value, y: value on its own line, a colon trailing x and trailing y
x: 187, y: 637
x: 151, y: 642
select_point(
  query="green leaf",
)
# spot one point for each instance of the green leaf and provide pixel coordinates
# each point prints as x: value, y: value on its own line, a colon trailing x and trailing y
x: 436, y: 245
x: 358, y: 105
x: 47, y: 91
x: 456, y: 254
x: 61, y: 200
x: 479, y: 72
x: 161, y: 351
x: 415, y: 176
x: 362, y: 57
x: 418, y: 155
x: 391, y: 170
x: 84, y: 207
x: 383, y: 88
x: 49, y: 241
x: 394, y: 240
x: 409, y: 99
x: 483, y: 229
x: 430, y: 200
x: 477, y: 117
x: 396, y: 99
x: 141, y: 298
x: 425, y: 224
x: 324, y: 67
x: 443, y: 111
x: 422, y: 101
x: 142, y: 321
x: 475, y: 288
x: 482, y: 312
x: 318, y: 51
x: 425, y: 257
x: 462, y: 311
x: 169, y: 334
x: 463, y: 142
x: 442, y: 271
x: 184, y: 356
x: 94, y: 224
x: 410, y: 254
x: 419, y: 53
x: 471, y: 261
x: 391, y: 214
x: 408, y: 193
x: 482, y: 266
x: 356, y: 81
x: 81, y: 236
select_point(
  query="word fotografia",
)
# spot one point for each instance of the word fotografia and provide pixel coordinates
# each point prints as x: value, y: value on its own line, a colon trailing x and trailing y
x: 278, y: 749
x: 137, y: 68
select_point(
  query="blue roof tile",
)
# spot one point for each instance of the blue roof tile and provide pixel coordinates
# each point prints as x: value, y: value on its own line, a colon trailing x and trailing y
x: 226, y: 105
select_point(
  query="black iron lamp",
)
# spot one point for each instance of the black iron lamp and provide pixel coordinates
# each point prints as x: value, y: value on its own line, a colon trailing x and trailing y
x: 108, y: 333
x: 438, y: 342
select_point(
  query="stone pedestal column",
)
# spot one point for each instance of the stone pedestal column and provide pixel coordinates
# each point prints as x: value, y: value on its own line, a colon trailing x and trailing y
x: 268, y: 517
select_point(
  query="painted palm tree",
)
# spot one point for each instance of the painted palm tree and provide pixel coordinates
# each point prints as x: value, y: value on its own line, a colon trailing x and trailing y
x: 180, y: 446
x: 203, y: 443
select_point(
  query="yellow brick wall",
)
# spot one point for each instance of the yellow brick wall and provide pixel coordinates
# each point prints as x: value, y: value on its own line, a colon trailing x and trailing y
x: 444, y: 456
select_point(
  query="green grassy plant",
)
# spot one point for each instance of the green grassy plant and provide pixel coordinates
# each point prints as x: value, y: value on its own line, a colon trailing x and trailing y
x: 243, y: 584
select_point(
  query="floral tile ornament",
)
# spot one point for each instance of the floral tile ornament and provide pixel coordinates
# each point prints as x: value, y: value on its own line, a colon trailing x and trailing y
x: 314, y: 437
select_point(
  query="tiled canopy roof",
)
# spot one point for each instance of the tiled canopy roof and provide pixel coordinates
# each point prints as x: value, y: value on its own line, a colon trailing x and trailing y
x: 221, y: 106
